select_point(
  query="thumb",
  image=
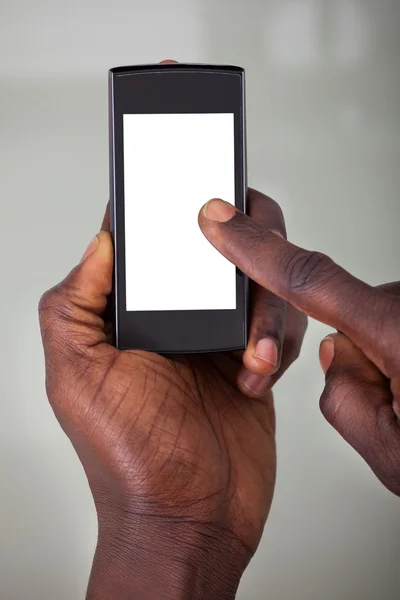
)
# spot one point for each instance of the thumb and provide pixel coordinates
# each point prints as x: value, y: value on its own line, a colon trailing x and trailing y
x: 357, y: 401
x: 92, y: 279
x: 70, y: 313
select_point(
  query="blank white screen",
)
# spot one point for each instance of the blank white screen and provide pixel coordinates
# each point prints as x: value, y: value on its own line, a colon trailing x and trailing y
x: 173, y: 164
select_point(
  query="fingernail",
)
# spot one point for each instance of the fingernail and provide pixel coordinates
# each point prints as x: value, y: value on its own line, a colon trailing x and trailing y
x: 219, y: 210
x: 255, y: 384
x: 90, y: 249
x: 267, y: 350
x: 326, y: 353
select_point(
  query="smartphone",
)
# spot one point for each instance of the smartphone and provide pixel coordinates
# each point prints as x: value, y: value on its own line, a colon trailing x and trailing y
x: 177, y: 140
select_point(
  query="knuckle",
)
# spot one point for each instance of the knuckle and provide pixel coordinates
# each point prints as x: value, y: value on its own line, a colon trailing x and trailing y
x: 48, y: 305
x: 269, y: 315
x: 347, y: 385
x: 388, y: 328
x: 275, y: 324
x: 68, y: 331
x: 388, y: 436
x: 307, y: 271
x: 270, y: 206
x: 249, y: 235
x: 57, y: 304
x: 55, y: 312
x: 265, y: 209
x: 273, y: 302
x: 45, y: 300
x: 259, y: 198
x: 54, y: 306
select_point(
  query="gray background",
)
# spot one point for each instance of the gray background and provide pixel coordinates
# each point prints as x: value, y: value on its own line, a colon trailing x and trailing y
x: 323, y: 120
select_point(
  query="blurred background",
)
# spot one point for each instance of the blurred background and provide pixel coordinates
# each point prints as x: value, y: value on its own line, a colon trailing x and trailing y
x: 323, y: 83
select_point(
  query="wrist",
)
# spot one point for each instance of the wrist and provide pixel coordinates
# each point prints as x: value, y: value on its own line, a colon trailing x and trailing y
x: 148, y: 557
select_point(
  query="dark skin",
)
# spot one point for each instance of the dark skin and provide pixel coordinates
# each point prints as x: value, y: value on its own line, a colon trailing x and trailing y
x: 179, y: 452
x: 362, y: 363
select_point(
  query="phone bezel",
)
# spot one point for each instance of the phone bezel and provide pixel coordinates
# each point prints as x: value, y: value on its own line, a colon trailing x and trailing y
x: 175, y: 88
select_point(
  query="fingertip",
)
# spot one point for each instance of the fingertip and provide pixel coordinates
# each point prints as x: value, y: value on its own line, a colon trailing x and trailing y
x: 97, y: 262
x: 90, y: 249
x: 262, y: 358
x: 327, y: 353
x: 202, y: 213
x: 218, y: 210
x: 104, y: 237
x: 105, y: 250
x: 99, y: 247
x: 267, y: 350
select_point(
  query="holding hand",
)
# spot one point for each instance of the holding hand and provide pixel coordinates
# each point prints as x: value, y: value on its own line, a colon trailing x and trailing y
x: 179, y: 453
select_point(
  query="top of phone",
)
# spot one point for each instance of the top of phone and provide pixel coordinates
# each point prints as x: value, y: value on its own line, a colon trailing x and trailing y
x: 175, y: 67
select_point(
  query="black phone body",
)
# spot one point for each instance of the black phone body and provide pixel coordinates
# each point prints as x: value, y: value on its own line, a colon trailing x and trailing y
x: 177, y: 139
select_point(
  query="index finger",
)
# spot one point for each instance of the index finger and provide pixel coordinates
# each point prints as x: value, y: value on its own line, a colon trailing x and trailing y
x: 309, y: 280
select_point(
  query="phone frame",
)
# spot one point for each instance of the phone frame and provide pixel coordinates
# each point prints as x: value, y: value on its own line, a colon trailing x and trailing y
x: 160, y: 89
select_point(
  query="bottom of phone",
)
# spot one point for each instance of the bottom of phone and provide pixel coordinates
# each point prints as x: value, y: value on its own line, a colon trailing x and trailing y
x: 184, y: 350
